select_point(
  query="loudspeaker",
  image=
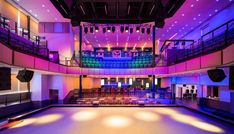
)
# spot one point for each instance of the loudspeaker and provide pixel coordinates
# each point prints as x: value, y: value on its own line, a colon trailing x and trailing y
x: 5, y: 78
x: 25, y: 75
x: 216, y: 75
x: 231, y: 77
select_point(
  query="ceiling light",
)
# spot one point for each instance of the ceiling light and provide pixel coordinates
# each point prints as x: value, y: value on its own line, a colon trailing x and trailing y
x: 175, y: 22
x: 126, y: 29
x: 30, y: 11
x: 121, y: 29
x: 210, y: 14
x: 199, y: 15
x: 194, y: 18
x: 148, y: 31
x: 86, y: 30
x: 55, y: 18
x: 113, y: 29
x: 96, y: 28
x: 48, y: 10
x: 216, y: 10
x: 91, y: 29
x: 35, y: 15
x: 192, y: 5
x: 142, y: 30
x: 131, y: 30
x: 200, y: 22
x: 43, y: 5
x: 137, y: 29
x: 182, y: 14
x: 108, y: 29
x: 104, y: 30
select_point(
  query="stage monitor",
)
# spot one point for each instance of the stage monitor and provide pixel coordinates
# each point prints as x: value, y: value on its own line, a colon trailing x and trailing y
x: 216, y: 75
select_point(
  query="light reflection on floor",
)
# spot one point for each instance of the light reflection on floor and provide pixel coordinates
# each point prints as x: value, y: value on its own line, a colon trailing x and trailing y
x: 119, y: 120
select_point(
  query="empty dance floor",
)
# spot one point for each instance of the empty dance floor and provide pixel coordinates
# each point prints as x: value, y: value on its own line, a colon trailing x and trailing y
x: 72, y: 120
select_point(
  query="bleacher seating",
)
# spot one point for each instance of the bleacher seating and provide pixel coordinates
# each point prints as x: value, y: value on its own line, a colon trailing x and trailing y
x: 134, y: 62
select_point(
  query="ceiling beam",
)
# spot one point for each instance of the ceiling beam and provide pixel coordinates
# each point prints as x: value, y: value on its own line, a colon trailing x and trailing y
x: 141, y: 8
x: 95, y: 15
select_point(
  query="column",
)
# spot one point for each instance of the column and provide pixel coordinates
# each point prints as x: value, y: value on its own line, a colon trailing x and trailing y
x: 153, y: 87
x: 80, y: 90
x: 153, y: 49
x: 80, y: 46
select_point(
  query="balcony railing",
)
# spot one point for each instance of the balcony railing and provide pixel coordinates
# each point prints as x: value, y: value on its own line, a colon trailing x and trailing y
x: 176, y: 51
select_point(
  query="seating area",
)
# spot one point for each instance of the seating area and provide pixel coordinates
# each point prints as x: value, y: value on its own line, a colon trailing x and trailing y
x: 210, y: 42
x: 134, y: 62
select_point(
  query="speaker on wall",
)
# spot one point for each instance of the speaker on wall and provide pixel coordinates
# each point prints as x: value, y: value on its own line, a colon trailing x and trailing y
x: 5, y: 78
x: 231, y: 77
x: 25, y: 75
x: 216, y: 75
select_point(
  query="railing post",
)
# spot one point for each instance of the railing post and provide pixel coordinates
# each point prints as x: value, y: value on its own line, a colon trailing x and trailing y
x: 20, y: 97
x: 9, y: 37
x: 6, y: 100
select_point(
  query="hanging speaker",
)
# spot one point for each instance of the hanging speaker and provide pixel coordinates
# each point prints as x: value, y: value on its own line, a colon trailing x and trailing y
x: 231, y: 77
x: 216, y: 75
x: 25, y: 75
x: 5, y: 78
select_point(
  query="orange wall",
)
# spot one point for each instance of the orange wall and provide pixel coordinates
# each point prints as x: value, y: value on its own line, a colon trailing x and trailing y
x: 11, y: 12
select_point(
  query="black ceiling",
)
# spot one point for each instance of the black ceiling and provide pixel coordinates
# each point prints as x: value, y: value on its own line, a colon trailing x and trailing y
x: 118, y: 11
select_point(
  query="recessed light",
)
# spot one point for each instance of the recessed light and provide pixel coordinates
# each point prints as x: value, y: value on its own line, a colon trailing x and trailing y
x: 182, y: 14
x: 48, y: 10
x: 175, y: 22
x: 30, y: 11
x: 199, y: 15
x: 210, y: 14
x: 217, y: 0
x: 35, y: 15
x: 216, y: 10
x: 186, y: 25
x: 43, y: 5
x: 17, y: 0
x: 199, y: 22
x: 192, y: 5
x: 55, y: 18
x: 194, y: 18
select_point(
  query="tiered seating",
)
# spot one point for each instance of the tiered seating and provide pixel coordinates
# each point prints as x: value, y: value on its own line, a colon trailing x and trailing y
x: 22, y: 44
x: 135, y: 62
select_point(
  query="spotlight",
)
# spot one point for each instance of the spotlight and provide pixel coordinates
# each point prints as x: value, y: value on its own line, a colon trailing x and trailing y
x: 113, y: 29
x: 137, y: 29
x: 148, y: 30
x: 104, y: 30
x: 126, y: 29
x: 86, y: 30
x: 108, y: 29
x: 96, y: 28
x: 91, y: 29
x: 122, y: 29
x: 142, y: 30
x: 131, y: 30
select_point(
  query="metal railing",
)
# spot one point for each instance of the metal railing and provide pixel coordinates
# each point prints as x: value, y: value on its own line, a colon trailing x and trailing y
x: 14, y: 98
x: 176, y: 51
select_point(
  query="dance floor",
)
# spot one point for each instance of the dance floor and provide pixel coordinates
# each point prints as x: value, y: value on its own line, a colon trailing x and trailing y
x: 118, y: 120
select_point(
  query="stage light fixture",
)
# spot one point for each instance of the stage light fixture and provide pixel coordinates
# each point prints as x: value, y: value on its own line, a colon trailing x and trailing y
x: 108, y: 29
x: 131, y: 30
x: 104, y: 30
x: 137, y: 29
x: 113, y: 29
x: 91, y: 29
x: 86, y: 30
x: 142, y: 30
x: 126, y: 29
x: 96, y: 29
x: 148, y: 30
x: 122, y: 29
